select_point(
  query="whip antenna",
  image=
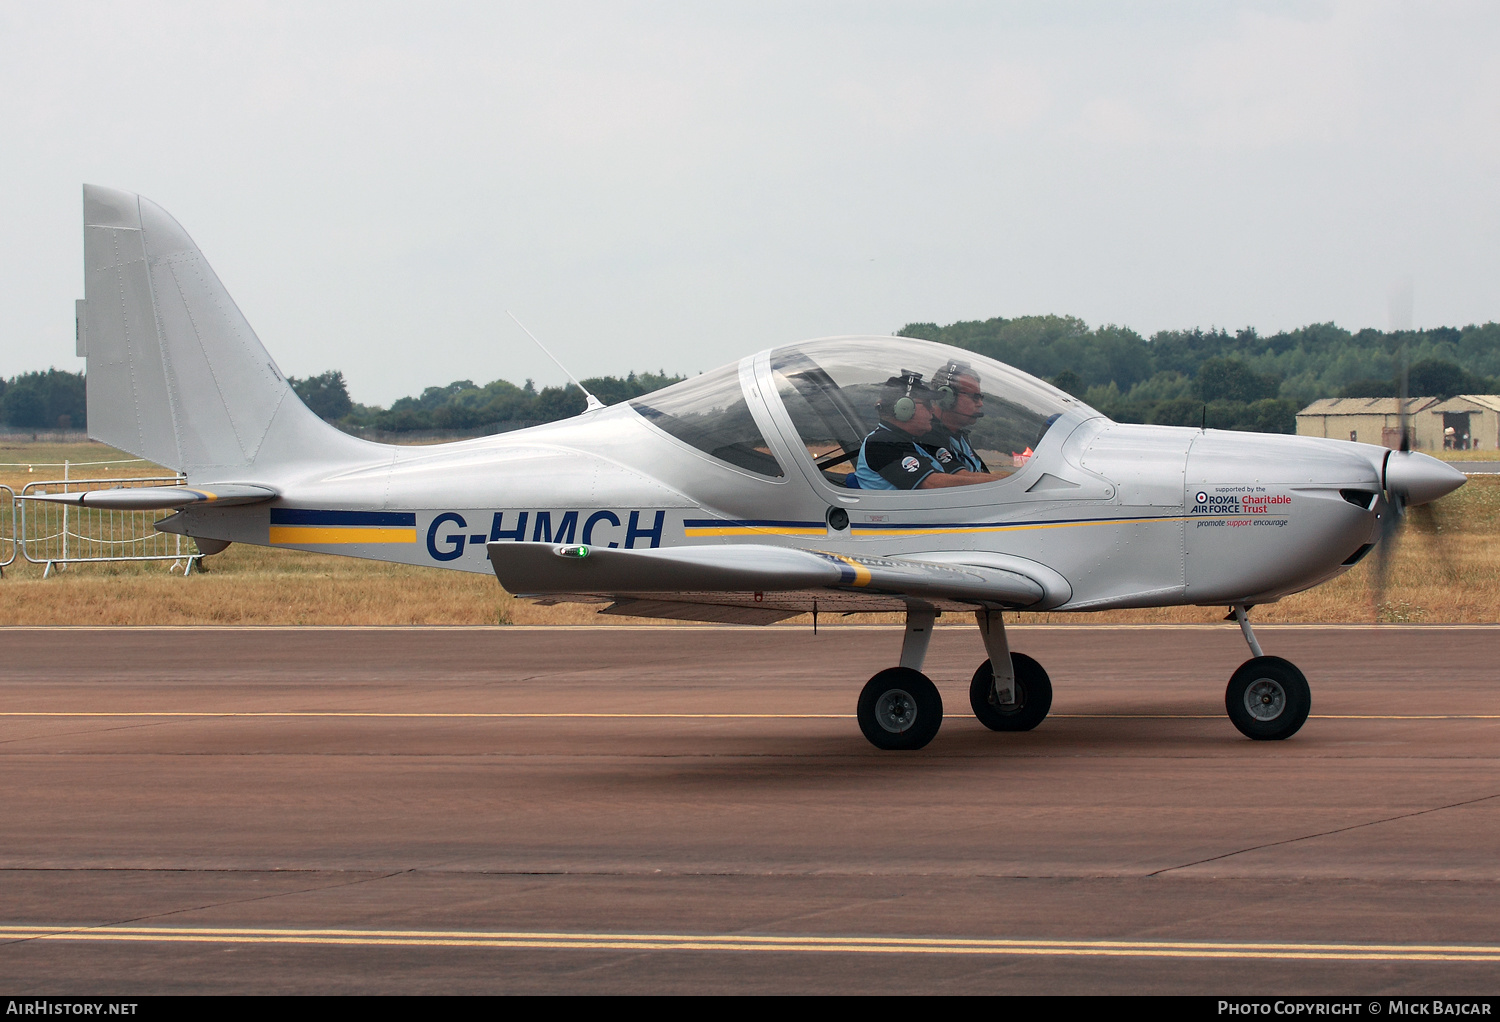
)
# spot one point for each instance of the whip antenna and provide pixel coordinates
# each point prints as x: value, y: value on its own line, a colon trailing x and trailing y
x: 590, y: 401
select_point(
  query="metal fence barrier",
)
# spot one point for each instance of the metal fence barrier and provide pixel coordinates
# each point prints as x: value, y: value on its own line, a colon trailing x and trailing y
x: 61, y: 534
x: 7, y: 527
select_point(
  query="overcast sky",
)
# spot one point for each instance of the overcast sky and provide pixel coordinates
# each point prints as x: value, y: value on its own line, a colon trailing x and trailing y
x: 675, y: 185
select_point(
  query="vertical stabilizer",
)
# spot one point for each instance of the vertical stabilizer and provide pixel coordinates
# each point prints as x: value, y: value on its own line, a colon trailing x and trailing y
x: 175, y: 373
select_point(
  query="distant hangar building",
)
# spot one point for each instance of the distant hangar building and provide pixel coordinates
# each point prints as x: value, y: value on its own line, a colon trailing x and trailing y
x: 1465, y: 422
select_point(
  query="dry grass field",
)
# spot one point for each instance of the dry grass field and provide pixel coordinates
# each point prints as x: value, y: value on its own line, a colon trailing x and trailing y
x: 1446, y: 570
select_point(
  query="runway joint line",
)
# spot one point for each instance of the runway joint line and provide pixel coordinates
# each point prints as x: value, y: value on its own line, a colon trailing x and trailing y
x: 1325, y: 833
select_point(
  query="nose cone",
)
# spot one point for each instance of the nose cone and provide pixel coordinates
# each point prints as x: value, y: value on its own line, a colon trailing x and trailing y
x: 1419, y: 477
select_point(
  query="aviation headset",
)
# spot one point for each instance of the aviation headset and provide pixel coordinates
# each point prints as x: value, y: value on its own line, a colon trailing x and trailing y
x: 947, y: 394
x: 905, y: 406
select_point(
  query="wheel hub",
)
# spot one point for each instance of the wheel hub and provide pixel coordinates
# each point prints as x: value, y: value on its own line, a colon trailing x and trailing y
x: 1265, y: 699
x: 896, y: 710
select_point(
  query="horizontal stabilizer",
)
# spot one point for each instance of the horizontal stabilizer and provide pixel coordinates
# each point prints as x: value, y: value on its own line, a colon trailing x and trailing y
x: 545, y: 568
x: 159, y: 498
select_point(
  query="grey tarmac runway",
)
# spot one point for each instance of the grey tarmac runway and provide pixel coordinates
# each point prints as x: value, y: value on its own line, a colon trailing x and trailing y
x: 428, y: 810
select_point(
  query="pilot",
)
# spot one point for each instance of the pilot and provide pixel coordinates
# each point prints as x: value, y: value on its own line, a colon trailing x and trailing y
x: 892, y: 456
x: 958, y: 402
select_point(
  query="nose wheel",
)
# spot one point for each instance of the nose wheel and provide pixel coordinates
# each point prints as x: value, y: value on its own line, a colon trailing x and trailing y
x: 1268, y: 698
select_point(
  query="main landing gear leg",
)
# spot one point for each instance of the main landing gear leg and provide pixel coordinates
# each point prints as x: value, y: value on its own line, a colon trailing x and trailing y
x: 919, y: 622
x: 1268, y: 698
x: 900, y: 707
x: 1010, y: 691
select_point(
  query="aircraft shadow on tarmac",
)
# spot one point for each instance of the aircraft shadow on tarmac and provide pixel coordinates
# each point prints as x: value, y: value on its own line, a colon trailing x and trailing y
x: 810, y: 760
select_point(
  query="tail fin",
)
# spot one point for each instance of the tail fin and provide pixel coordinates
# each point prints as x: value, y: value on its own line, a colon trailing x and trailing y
x: 175, y: 373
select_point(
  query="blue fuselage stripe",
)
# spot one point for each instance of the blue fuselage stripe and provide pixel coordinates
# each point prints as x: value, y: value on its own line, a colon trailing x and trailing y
x: 307, y: 516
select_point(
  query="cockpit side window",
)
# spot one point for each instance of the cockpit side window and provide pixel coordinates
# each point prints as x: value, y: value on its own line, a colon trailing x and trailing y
x: 828, y: 419
x: 710, y: 412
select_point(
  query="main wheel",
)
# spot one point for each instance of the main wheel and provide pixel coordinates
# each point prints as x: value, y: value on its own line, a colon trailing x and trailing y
x: 900, y: 709
x: 1033, y: 696
x: 1268, y: 698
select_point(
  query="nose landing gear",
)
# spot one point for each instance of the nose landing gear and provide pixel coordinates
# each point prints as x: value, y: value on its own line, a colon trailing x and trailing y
x: 1268, y: 698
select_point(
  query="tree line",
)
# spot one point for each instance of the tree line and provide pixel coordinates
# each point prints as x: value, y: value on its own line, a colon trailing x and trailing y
x: 1239, y: 380
x: 462, y: 405
x: 43, y: 400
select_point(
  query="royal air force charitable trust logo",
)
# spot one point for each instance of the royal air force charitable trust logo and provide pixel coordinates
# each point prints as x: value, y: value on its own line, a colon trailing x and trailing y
x: 943, y: 455
x: 1240, y: 500
x: 910, y: 464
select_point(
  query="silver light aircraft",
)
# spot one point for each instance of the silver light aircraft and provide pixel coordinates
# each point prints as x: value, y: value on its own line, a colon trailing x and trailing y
x: 747, y: 494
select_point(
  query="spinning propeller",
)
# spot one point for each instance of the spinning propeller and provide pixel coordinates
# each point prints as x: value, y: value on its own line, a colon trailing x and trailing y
x: 1409, y: 482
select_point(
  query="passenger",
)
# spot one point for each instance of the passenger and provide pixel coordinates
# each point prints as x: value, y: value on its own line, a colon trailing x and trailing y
x: 958, y: 402
x: 892, y: 458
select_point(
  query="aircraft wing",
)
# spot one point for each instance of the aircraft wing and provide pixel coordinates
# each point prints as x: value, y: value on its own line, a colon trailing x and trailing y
x: 765, y: 583
x: 159, y: 498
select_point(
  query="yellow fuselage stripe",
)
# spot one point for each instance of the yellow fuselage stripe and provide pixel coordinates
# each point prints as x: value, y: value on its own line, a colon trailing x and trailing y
x: 936, y: 530
x: 309, y: 535
x: 949, y: 530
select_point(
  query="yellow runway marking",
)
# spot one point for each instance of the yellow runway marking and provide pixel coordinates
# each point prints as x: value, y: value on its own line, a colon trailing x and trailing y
x: 1216, y: 626
x: 503, y: 940
x: 1412, y: 716
x: 1312, y: 716
x: 437, y: 716
x: 681, y: 716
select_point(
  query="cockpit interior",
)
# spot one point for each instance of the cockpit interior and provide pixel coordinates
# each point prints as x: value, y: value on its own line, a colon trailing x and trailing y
x: 831, y: 391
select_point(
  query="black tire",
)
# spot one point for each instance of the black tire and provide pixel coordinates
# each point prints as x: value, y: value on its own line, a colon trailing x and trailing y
x: 1033, y: 696
x: 1268, y: 699
x: 900, y: 709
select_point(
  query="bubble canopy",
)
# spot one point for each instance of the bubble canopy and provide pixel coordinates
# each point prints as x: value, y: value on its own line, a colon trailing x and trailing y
x: 831, y: 390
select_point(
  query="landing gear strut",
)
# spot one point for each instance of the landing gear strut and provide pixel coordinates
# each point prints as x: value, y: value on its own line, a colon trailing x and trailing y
x: 1017, y: 696
x: 1268, y: 698
x: 900, y: 708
